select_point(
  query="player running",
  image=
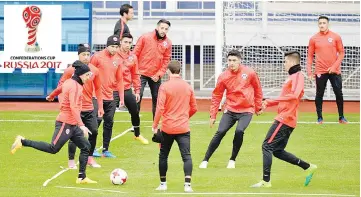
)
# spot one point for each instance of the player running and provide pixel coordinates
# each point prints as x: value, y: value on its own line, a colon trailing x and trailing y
x: 111, y: 74
x: 68, y: 124
x: 243, y: 98
x: 285, y: 122
x: 88, y: 114
x: 131, y: 78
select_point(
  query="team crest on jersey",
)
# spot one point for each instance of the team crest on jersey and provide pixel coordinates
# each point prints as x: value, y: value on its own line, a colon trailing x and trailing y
x: 330, y: 40
x: 130, y: 58
x: 165, y: 43
x: 244, y: 76
x: 115, y: 63
x: 67, y: 131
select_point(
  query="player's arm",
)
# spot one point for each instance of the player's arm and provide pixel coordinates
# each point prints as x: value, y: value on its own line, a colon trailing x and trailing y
x: 217, y: 97
x: 120, y: 83
x: 341, y: 54
x: 297, y: 88
x: 118, y: 29
x: 271, y: 102
x: 94, y: 60
x: 98, y: 92
x: 258, y: 95
x: 192, y: 104
x: 136, y: 77
x: 166, y: 59
x: 139, y: 46
x: 160, y: 107
x: 310, y: 53
x: 66, y: 75
x: 74, y: 97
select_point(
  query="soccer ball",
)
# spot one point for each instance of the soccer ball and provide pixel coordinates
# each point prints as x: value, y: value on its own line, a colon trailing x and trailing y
x: 118, y: 176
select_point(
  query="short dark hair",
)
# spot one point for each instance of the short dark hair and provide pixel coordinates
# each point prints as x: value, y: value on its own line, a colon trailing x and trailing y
x: 323, y: 17
x: 125, y: 9
x: 164, y: 21
x: 174, y: 66
x: 234, y: 53
x: 127, y: 35
x: 294, y: 55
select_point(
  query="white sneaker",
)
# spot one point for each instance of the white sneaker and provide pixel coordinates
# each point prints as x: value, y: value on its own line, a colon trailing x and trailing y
x: 231, y: 164
x: 188, y: 187
x: 72, y: 165
x: 93, y: 163
x: 162, y: 187
x: 203, y: 164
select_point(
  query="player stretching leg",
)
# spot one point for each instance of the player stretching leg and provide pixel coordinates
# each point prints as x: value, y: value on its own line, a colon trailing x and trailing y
x: 285, y: 122
x: 243, y: 98
x: 88, y: 113
x: 131, y: 77
x: 68, y: 124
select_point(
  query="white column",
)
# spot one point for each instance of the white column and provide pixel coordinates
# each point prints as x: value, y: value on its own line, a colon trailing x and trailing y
x: 264, y: 17
x: 140, y: 14
x: 219, y: 38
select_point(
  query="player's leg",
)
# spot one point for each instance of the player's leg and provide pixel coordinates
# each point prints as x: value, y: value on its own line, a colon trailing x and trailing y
x: 90, y: 121
x: 131, y: 104
x: 243, y: 121
x: 109, y: 111
x: 165, y: 148
x: 71, y: 155
x: 279, y: 152
x: 143, y: 83
x: 154, y: 88
x: 336, y: 82
x: 267, y: 151
x: 83, y: 144
x: 227, y: 122
x: 95, y: 105
x: 98, y: 121
x: 60, y: 137
x: 321, y: 82
x: 116, y: 99
x: 183, y: 141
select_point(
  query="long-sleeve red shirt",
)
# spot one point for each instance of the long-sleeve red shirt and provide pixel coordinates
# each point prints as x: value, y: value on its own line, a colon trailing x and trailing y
x: 111, y: 73
x: 289, y: 100
x: 131, y: 76
x: 176, y: 104
x: 70, y: 106
x: 329, y: 52
x: 153, y: 55
x: 244, y: 91
x: 91, y: 86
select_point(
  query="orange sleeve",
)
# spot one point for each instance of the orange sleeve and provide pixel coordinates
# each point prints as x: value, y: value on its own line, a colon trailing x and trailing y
x: 160, y: 106
x: 98, y: 90
x: 94, y: 61
x: 139, y: 46
x: 310, y: 53
x: 217, y: 95
x: 74, y: 97
x: 271, y: 102
x: 258, y: 95
x: 341, y: 53
x: 192, y: 104
x: 120, y: 83
x: 297, y: 88
x: 166, y: 59
x: 66, y: 75
x: 136, y: 77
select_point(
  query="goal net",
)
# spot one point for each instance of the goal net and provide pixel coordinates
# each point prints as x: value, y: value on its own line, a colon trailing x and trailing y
x: 263, y: 31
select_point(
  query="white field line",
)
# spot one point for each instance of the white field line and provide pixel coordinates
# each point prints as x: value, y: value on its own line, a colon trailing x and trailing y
x: 192, y: 122
x: 213, y: 193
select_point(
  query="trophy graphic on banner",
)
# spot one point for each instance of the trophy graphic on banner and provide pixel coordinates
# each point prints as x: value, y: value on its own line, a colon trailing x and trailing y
x: 32, y: 17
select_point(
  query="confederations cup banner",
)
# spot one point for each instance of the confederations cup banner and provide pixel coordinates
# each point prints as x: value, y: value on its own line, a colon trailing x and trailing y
x: 33, y: 38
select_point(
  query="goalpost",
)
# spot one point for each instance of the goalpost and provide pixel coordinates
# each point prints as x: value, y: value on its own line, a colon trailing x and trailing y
x: 263, y: 30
